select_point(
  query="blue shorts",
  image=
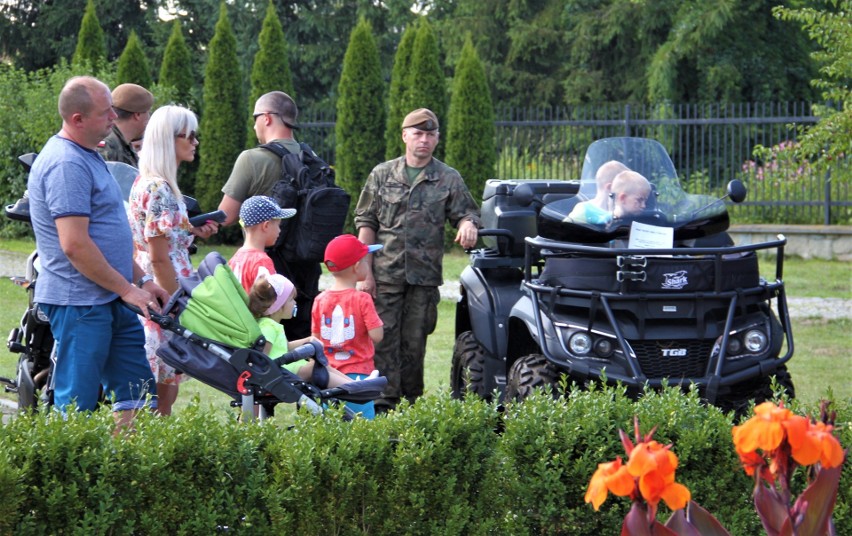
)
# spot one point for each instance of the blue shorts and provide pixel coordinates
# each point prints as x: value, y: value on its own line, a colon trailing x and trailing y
x: 100, y: 345
x: 367, y: 410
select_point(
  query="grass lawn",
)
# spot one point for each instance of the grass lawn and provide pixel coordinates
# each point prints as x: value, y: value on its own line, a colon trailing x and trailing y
x: 822, y: 361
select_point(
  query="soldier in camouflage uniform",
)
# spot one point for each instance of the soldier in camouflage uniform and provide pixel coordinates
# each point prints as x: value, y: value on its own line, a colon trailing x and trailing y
x: 403, y: 207
x: 132, y: 104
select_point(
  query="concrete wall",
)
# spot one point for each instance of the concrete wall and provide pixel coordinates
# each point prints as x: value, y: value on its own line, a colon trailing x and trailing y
x: 806, y: 241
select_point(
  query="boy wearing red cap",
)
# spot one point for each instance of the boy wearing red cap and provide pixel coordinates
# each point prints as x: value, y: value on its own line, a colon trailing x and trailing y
x: 344, y: 319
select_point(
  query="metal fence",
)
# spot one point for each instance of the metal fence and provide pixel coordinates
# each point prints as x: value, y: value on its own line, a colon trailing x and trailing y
x: 709, y: 144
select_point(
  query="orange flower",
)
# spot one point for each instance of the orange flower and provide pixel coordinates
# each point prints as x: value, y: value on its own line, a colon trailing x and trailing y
x: 612, y: 476
x: 764, y: 431
x: 650, y: 456
x: 813, y: 442
x: 752, y: 462
x: 676, y: 496
x: 654, y: 465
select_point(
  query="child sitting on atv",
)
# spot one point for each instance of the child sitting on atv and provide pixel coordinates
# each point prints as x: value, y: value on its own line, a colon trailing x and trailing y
x: 630, y: 192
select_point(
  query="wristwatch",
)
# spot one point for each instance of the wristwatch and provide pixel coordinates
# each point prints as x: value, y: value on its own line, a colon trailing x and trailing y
x: 144, y: 279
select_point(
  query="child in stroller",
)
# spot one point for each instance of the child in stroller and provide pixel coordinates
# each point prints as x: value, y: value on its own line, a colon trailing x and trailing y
x: 218, y: 341
x: 273, y: 298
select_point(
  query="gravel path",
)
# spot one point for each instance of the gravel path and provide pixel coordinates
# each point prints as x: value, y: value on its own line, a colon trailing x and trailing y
x: 12, y: 263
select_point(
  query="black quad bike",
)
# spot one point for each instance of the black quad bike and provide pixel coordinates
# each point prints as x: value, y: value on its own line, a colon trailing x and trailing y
x: 663, y: 296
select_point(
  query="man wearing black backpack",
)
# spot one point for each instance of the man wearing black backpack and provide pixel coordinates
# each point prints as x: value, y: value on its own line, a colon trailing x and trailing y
x: 256, y: 172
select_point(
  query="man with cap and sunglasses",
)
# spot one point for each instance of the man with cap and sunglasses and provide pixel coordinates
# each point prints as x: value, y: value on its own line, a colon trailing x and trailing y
x: 255, y: 173
x: 403, y: 206
x: 132, y: 105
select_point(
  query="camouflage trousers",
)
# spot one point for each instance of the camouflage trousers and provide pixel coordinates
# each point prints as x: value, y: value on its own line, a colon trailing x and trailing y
x: 409, y: 313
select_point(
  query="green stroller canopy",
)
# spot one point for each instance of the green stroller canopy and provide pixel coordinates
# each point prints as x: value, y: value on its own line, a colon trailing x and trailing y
x: 217, y: 308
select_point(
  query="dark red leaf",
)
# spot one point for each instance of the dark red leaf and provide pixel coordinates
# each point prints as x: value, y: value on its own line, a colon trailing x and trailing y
x: 771, y: 509
x: 636, y: 523
x: 820, y: 497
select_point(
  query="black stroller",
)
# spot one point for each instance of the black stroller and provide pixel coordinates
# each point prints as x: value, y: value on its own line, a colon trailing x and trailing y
x: 218, y: 342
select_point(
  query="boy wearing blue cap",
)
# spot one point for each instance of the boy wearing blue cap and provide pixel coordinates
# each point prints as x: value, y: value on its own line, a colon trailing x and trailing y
x: 260, y: 217
x: 344, y: 319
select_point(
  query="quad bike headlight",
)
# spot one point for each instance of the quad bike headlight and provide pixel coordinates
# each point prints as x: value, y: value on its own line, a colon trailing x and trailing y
x: 587, y: 344
x: 580, y: 343
x: 734, y: 347
x: 752, y: 338
x: 755, y: 340
x: 604, y: 347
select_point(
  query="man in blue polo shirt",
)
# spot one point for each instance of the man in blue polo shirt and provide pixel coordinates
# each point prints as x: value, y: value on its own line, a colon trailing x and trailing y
x: 87, y: 267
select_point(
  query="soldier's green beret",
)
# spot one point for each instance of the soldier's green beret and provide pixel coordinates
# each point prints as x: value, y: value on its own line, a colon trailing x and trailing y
x: 132, y: 98
x: 421, y: 119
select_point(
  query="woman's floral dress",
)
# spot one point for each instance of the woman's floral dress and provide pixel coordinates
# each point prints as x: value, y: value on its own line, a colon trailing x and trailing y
x: 155, y: 211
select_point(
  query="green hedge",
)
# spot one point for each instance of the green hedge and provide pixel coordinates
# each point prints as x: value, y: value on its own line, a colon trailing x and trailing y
x: 440, y: 467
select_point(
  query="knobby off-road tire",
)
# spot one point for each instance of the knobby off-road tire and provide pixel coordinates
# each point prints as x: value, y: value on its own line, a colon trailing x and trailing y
x: 757, y: 389
x: 467, y: 374
x: 529, y: 373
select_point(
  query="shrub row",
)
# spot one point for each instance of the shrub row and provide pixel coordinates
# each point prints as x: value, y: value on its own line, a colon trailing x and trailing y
x: 441, y: 467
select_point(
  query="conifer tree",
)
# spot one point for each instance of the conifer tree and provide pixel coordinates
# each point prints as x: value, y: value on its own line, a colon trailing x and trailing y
x: 91, y: 45
x: 396, y: 105
x: 425, y: 85
x: 133, y: 65
x: 470, y: 134
x: 271, y: 69
x: 176, y: 72
x: 176, y: 69
x: 360, y: 112
x: 222, y: 125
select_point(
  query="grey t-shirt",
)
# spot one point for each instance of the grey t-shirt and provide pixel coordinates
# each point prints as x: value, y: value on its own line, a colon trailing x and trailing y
x: 70, y: 180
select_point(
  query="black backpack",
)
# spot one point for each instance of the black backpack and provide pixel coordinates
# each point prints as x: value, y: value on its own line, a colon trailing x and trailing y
x: 307, y: 184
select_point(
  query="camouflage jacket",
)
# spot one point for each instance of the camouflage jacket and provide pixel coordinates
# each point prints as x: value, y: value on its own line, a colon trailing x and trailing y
x: 115, y: 148
x: 409, y: 219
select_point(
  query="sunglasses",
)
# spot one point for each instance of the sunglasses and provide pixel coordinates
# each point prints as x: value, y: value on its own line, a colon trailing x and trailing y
x: 192, y: 136
x: 258, y: 114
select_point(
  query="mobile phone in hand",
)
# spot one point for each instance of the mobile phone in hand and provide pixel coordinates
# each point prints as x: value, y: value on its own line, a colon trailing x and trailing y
x: 217, y: 216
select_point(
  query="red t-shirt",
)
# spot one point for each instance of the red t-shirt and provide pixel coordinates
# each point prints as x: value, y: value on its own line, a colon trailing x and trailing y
x: 245, y: 264
x: 341, y: 320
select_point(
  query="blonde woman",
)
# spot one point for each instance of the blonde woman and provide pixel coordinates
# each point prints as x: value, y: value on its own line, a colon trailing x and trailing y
x: 162, y: 233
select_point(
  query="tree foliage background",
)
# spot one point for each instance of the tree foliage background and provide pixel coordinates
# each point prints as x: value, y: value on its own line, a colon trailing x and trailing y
x: 91, y: 45
x: 831, y: 28
x: 533, y: 52
x: 133, y: 66
x: 470, y: 134
x: 360, y: 114
x: 559, y: 51
x: 425, y: 85
x: 222, y: 123
x: 35, y: 34
x: 271, y: 69
x: 176, y: 67
x: 396, y: 94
